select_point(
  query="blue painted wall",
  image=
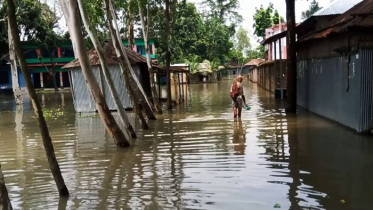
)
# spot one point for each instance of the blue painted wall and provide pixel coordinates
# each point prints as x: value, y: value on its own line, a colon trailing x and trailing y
x: 21, y: 80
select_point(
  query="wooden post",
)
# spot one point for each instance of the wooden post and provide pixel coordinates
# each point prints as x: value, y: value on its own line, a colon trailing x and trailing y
x: 41, y: 80
x: 168, y: 54
x: 178, y: 80
x: 274, y: 66
x: 4, y: 197
x: 159, y: 86
x: 61, y: 79
x: 280, y: 47
x: 292, y: 58
x: 182, y: 84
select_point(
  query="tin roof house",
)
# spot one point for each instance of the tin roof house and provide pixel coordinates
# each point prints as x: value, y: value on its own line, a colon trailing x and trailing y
x: 251, y: 69
x: 335, y: 69
x: 83, y: 101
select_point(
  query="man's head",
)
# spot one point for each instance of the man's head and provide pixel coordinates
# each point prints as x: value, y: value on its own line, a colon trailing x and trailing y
x: 239, y: 78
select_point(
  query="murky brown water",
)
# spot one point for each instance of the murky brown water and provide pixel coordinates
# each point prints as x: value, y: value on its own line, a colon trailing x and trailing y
x: 196, y: 158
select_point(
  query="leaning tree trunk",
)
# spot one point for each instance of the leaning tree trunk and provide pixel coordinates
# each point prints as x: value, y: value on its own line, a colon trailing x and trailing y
x: 130, y: 26
x: 78, y: 42
x: 145, y: 30
x: 4, y: 197
x: 168, y: 55
x: 13, y: 64
x: 124, y: 66
x: 105, y: 67
x: 122, y: 54
x: 47, y: 141
x: 292, y: 58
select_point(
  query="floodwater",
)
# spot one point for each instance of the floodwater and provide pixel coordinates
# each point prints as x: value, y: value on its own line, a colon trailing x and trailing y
x: 197, y: 157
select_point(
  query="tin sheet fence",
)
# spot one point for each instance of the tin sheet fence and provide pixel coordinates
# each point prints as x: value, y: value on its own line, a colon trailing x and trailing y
x: 339, y: 88
x: 83, y: 101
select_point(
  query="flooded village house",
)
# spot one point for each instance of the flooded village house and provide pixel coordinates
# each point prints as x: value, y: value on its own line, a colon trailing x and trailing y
x: 251, y: 69
x: 335, y: 69
x: 83, y: 102
x: 39, y: 63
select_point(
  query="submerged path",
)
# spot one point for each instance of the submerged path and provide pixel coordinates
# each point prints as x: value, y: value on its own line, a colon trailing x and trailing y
x: 197, y: 157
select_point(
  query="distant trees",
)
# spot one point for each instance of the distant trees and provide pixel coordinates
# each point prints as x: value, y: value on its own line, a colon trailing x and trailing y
x: 314, y: 7
x: 265, y: 18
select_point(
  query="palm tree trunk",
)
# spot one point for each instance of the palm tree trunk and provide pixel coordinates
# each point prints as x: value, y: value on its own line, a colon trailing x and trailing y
x: 292, y: 58
x: 105, y: 67
x: 4, y: 197
x: 47, y: 141
x: 78, y: 42
x: 125, y: 64
x: 13, y: 64
x: 145, y: 29
x: 168, y: 55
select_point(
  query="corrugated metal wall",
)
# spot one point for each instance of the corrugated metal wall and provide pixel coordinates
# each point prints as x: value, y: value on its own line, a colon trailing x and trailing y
x: 331, y: 89
x: 119, y: 83
x: 83, y: 101
x: 366, y: 91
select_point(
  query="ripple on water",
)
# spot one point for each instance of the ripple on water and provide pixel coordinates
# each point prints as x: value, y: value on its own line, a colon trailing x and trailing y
x: 199, y: 158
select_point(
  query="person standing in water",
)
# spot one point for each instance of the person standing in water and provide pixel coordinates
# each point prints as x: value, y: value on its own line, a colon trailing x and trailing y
x: 238, y: 97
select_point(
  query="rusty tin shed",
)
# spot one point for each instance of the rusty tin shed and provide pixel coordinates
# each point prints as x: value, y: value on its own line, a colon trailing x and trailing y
x: 83, y: 101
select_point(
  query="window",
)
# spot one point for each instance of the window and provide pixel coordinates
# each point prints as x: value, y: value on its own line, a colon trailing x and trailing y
x: 234, y: 72
x: 67, y: 52
x: 4, y: 77
x: 141, y: 49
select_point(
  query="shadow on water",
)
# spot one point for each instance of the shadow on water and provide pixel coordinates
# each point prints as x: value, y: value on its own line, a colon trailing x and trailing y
x: 196, y: 157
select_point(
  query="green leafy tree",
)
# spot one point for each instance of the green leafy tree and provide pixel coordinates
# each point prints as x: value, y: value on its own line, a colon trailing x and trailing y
x: 314, y: 7
x: 276, y: 18
x: 262, y: 20
x: 256, y: 53
x: 224, y: 9
x: 242, y: 40
x: 265, y: 18
x: 28, y: 18
x: 47, y: 38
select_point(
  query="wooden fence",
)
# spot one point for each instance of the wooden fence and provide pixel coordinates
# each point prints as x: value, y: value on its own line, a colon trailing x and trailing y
x: 269, y: 75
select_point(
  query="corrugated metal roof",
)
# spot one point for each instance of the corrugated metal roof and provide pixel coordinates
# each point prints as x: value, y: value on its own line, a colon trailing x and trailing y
x: 255, y: 62
x: 337, y: 7
x: 358, y: 16
x: 110, y: 56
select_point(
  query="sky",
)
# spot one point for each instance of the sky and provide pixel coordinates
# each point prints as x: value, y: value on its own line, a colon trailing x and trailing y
x: 247, y: 10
